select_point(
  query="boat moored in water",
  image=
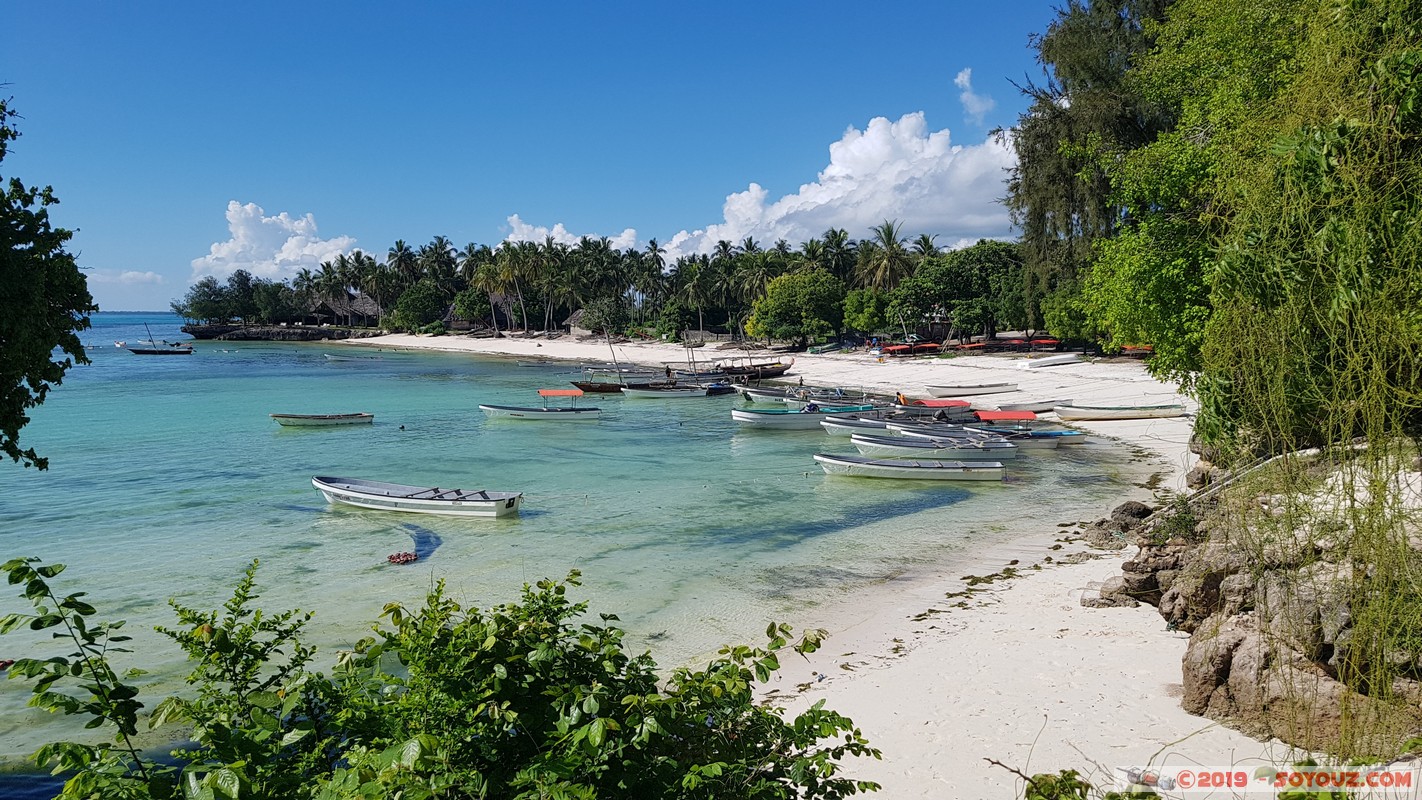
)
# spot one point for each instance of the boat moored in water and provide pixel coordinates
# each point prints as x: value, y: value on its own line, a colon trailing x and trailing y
x: 418, y: 499
x: 322, y: 420
x: 864, y: 467
x: 807, y: 418
x: 545, y: 412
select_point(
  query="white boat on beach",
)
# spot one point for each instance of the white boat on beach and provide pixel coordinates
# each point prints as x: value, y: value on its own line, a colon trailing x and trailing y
x: 956, y: 449
x: 322, y: 420
x: 1035, y: 406
x: 787, y: 420
x: 966, y: 389
x: 546, y: 413
x: 863, y: 467
x: 418, y: 499
x: 1060, y: 359
x: 1119, y: 412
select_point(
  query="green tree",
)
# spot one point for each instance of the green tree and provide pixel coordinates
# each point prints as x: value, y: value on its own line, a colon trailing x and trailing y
x: 275, y: 302
x: 207, y: 301
x: 799, y: 306
x: 866, y: 310
x: 1086, y: 112
x: 44, y: 302
x: 606, y: 314
x: 420, y: 305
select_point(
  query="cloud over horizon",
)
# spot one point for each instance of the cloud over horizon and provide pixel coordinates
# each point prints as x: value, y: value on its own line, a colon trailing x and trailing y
x: 889, y: 171
x: 127, y: 277
x: 520, y: 231
x: 275, y: 248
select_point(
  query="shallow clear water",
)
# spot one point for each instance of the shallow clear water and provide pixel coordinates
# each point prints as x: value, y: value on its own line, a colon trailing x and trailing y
x: 167, y: 477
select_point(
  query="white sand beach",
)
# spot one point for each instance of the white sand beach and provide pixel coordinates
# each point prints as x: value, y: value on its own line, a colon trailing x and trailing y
x: 1019, y: 672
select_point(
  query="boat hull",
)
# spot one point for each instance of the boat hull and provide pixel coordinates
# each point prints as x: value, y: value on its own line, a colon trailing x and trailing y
x: 160, y: 351
x: 966, y: 390
x: 786, y: 420
x: 1035, y: 406
x: 379, y: 496
x: 656, y: 394
x: 909, y: 470
x: 1058, y: 360
x: 540, y: 414
x: 321, y: 420
x: 1118, y: 412
x: 954, y: 449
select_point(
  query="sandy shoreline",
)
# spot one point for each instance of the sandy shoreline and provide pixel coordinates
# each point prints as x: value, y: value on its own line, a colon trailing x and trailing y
x: 1018, y: 672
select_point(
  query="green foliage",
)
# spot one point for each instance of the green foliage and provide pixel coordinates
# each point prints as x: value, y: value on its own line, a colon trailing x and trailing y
x: 420, y: 305
x: 82, y: 683
x: 435, y: 328
x: 1088, y: 112
x: 275, y: 302
x: 978, y: 288
x: 674, y: 319
x: 1065, y: 316
x: 473, y: 304
x: 866, y: 310
x: 605, y: 314
x: 44, y: 302
x: 522, y: 700
x: 800, y: 306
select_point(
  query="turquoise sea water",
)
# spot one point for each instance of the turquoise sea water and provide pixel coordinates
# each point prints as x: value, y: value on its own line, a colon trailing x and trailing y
x: 167, y: 478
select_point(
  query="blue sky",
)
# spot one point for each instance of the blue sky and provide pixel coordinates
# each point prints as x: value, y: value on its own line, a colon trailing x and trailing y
x: 191, y: 139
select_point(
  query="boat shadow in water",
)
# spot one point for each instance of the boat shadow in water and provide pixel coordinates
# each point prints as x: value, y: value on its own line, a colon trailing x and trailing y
x: 425, y: 540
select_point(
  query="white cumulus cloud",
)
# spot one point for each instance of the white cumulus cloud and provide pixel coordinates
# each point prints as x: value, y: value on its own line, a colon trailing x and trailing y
x: 977, y: 105
x: 890, y: 171
x: 520, y: 231
x: 128, y: 277
x: 268, y: 247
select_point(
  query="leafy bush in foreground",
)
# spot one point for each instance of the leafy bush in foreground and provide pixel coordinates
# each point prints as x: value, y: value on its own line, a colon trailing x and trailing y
x: 516, y: 701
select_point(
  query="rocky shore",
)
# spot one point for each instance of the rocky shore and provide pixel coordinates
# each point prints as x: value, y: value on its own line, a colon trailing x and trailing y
x: 277, y: 333
x: 1271, y: 618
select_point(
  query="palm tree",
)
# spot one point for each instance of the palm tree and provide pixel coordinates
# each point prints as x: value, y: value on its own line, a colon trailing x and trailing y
x: 488, y: 278
x: 839, y: 254
x: 404, y: 261
x: 923, y: 246
x: 811, y: 256
x: 889, y: 261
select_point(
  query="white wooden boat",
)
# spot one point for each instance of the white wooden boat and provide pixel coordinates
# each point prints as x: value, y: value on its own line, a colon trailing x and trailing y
x: 1119, y: 412
x: 334, y: 357
x: 661, y: 392
x: 786, y: 419
x: 1024, y: 439
x: 966, y: 389
x: 956, y: 449
x: 322, y: 420
x: 1035, y: 406
x: 831, y: 394
x: 1063, y: 436
x: 846, y: 424
x: 418, y: 499
x: 863, y: 467
x: 1057, y: 360
x: 546, y: 413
